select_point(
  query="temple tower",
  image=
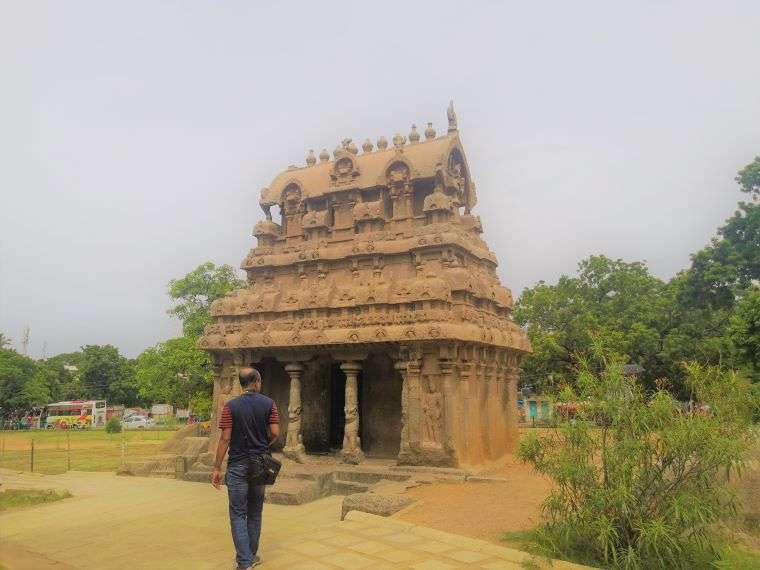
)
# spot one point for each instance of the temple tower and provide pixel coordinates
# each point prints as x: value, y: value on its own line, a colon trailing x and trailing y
x: 373, y: 309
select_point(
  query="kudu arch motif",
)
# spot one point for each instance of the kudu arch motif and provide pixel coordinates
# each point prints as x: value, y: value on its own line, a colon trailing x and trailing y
x: 374, y: 310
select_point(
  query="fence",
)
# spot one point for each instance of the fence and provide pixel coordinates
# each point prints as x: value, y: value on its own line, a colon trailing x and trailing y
x: 58, y: 451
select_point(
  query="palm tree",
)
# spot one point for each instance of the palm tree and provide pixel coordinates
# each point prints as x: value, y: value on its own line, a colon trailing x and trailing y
x: 4, y: 341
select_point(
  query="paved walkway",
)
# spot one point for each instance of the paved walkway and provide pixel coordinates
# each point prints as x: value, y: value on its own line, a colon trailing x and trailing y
x: 138, y: 523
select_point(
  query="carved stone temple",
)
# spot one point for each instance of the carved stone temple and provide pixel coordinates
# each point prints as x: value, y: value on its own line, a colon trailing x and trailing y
x: 373, y: 309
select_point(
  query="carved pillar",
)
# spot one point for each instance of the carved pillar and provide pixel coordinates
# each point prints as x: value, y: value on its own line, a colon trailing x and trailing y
x: 491, y: 407
x: 237, y: 364
x: 512, y: 373
x: 465, y: 370
x: 352, y: 451
x: 449, y: 393
x: 410, y: 409
x: 293, y: 444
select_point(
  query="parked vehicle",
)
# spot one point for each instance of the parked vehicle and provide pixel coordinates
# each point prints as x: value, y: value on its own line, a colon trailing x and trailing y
x: 76, y: 414
x: 136, y: 422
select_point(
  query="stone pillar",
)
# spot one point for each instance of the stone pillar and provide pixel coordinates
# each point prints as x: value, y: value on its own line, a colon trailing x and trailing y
x: 446, y: 368
x: 410, y: 411
x: 352, y: 450
x: 512, y: 377
x: 465, y: 370
x: 293, y: 444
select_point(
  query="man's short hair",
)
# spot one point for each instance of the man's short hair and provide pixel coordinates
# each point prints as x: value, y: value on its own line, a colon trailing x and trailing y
x: 248, y: 376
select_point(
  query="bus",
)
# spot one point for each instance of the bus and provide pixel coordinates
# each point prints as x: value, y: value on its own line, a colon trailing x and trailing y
x: 76, y: 414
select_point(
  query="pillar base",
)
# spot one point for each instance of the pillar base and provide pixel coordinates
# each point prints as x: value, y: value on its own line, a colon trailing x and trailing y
x: 352, y: 457
x: 297, y: 453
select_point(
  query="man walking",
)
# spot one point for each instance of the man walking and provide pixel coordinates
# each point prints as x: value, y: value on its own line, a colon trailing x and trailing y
x: 250, y: 423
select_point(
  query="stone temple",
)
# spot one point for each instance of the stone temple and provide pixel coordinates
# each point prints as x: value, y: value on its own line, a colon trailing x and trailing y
x: 373, y: 309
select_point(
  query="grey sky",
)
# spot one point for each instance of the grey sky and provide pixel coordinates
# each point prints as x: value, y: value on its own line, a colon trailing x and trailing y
x: 135, y: 136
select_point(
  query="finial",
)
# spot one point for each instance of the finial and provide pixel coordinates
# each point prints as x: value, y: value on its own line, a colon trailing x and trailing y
x: 414, y: 136
x: 452, y: 116
x: 430, y: 132
x: 311, y: 160
x: 324, y: 156
x: 382, y: 143
x: 367, y: 146
x: 398, y: 140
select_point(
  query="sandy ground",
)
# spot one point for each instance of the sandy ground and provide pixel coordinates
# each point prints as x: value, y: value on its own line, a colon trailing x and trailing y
x: 128, y: 523
x: 481, y: 510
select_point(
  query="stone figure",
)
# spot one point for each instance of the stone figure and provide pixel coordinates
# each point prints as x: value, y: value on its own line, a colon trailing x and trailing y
x: 432, y: 412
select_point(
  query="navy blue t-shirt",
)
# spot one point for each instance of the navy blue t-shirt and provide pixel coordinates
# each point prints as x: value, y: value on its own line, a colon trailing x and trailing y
x: 249, y: 415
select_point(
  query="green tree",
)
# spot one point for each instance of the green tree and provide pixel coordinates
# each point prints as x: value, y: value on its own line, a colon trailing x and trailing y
x: 172, y: 372
x: 65, y: 384
x: 640, y: 483
x: 107, y: 375
x: 749, y: 178
x: 729, y: 265
x: 22, y: 383
x: 744, y: 333
x: 620, y: 301
x: 36, y: 391
x: 194, y: 293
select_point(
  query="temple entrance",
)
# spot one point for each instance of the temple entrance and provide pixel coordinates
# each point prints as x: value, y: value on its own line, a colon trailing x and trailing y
x: 380, y: 407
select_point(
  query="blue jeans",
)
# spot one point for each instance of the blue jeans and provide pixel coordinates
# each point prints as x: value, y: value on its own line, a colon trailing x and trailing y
x: 245, y: 511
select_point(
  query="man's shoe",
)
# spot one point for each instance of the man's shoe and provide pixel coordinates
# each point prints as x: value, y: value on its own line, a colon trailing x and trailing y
x: 256, y: 561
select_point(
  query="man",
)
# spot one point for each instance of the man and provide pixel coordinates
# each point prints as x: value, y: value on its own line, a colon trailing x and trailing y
x: 250, y: 423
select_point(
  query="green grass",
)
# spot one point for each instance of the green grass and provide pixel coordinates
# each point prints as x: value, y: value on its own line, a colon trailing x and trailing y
x: 18, y: 498
x: 91, y: 450
x: 736, y: 558
x: 731, y: 557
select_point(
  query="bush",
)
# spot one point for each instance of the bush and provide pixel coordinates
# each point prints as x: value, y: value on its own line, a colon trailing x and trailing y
x: 641, y: 483
x: 113, y: 425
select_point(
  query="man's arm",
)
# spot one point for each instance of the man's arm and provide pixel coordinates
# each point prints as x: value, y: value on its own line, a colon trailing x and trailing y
x: 274, y: 433
x: 225, y: 424
x: 221, y: 451
x: 273, y: 424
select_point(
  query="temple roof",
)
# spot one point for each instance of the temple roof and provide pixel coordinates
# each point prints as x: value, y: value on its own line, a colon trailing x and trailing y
x: 423, y: 158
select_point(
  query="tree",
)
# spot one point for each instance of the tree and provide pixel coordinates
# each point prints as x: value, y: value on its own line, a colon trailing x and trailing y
x: 657, y: 325
x: 744, y: 333
x: 620, y: 301
x: 65, y: 383
x: 749, y: 178
x: 641, y: 483
x: 173, y: 372
x: 4, y: 341
x: 729, y: 265
x: 194, y: 293
x: 16, y: 371
x: 106, y: 375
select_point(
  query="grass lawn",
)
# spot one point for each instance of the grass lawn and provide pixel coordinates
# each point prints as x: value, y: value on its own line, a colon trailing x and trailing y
x: 90, y: 450
x: 16, y: 498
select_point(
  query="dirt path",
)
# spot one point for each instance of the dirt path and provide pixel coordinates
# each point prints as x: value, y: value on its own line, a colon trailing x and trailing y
x: 481, y: 510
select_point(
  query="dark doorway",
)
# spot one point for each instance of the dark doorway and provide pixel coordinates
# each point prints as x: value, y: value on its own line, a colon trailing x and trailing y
x: 337, y: 403
x: 380, y: 407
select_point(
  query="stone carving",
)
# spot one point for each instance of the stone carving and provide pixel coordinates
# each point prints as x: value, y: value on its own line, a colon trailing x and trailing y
x: 432, y: 409
x: 452, y: 117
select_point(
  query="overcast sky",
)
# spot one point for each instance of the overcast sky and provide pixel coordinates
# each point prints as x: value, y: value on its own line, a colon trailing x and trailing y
x: 135, y: 136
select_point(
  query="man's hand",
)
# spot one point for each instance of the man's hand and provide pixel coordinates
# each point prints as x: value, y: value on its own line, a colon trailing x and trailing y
x: 216, y: 477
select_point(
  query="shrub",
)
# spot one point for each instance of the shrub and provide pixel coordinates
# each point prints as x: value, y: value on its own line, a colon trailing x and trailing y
x: 641, y: 483
x: 113, y: 425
